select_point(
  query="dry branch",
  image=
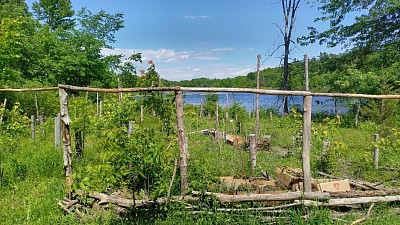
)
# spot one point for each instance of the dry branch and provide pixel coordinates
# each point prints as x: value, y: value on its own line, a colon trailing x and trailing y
x: 365, y: 217
x: 124, y: 202
x: 363, y: 200
x: 371, y: 193
x: 224, y: 198
x: 263, y: 209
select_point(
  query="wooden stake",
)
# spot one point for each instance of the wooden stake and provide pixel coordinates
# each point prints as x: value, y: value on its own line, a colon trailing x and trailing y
x: 130, y: 128
x: 66, y: 137
x: 181, y: 141
x: 376, y: 151
x: 57, y: 131
x: 33, y: 127
x: 253, y: 152
x: 37, y: 107
x: 307, y: 143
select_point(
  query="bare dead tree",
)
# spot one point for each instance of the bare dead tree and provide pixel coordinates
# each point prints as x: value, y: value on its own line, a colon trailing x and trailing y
x: 289, y: 9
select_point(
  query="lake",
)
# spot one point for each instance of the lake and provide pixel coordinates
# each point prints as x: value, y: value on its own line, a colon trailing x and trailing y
x: 322, y: 104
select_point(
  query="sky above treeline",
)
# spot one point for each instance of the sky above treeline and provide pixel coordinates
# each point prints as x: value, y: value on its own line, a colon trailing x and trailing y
x: 189, y: 39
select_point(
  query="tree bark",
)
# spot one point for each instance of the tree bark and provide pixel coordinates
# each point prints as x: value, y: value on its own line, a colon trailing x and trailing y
x: 181, y: 141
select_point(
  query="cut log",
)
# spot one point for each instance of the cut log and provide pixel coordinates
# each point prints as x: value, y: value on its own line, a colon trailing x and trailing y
x: 235, y: 140
x: 356, y: 194
x: 224, y: 198
x: 362, y: 200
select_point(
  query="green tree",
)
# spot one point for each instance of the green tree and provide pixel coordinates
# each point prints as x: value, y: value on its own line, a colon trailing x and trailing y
x: 377, y: 24
x: 55, y: 13
x: 16, y: 28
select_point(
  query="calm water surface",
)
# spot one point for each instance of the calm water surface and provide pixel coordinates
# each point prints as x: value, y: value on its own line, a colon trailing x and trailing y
x: 324, y: 104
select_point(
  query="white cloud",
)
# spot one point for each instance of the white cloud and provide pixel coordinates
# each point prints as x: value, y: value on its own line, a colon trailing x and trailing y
x: 207, y: 58
x: 208, y: 71
x: 183, y: 65
x: 223, y: 49
x: 196, y: 17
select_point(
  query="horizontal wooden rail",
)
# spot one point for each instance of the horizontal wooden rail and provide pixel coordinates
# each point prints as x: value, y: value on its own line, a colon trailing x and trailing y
x: 28, y: 89
x: 344, y: 95
x: 116, y: 90
x: 203, y: 89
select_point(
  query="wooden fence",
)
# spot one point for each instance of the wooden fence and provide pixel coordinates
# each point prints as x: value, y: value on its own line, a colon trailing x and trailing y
x: 182, y: 141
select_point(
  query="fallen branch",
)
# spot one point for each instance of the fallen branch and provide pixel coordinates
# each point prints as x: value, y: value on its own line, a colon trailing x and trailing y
x: 362, y: 200
x: 365, y: 217
x: 263, y: 209
x: 371, y: 193
x: 363, y: 187
x: 124, y: 202
x: 173, y: 176
x: 224, y: 198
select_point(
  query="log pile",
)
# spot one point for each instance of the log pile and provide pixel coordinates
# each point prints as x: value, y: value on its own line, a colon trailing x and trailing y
x: 273, y: 197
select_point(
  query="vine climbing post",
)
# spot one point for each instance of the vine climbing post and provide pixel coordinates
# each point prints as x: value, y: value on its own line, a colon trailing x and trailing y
x: 182, y: 142
x: 66, y: 137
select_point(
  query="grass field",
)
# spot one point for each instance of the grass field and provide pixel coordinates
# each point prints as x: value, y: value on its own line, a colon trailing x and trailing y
x: 33, y: 179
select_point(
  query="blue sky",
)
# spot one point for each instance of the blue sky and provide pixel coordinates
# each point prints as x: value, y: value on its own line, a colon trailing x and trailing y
x: 205, y: 38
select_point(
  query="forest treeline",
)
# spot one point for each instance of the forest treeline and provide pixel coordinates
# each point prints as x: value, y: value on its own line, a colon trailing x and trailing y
x: 51, y: 43
x: 48, y: 45
x: 351, y: 72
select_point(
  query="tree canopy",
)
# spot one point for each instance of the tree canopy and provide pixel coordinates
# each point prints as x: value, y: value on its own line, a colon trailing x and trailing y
x: 376, y: 25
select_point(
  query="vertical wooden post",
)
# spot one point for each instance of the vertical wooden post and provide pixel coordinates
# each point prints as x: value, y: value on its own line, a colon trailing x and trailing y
x: 216, y: 121
x: 307, y: 106
x: 57, y: 131
x: 181, y: 141
x: 357, y: 113
x: 33, y: 127
x: 41, y: 123
x: 253, y: 152
x: 130, y: 128
x: 257, y: 97
x: 37, y: 106
x: 66, y: 137
x: 307, y: 143
x: 376, y: 151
